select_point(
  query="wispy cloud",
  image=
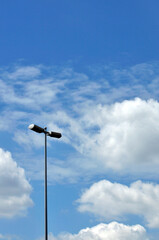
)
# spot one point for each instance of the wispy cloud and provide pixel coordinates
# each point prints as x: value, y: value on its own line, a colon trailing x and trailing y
x: 9, y: 237
x: 23, y: 72
x: 64, y: 85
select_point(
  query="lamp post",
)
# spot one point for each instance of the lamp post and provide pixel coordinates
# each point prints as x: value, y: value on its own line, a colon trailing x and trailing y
x: 38, y: 129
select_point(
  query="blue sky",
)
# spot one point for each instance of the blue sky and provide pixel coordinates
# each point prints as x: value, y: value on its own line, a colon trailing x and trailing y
x: 90, y: 70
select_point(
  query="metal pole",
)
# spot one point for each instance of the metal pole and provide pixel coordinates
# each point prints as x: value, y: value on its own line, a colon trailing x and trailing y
x: 38, y: 129
x: 46, y: 220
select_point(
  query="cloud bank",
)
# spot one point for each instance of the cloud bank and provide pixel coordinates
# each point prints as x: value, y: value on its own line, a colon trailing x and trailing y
x: 112, y: 201
x: 14, y: 188
x: 122, y: 137
x: 109, y: 231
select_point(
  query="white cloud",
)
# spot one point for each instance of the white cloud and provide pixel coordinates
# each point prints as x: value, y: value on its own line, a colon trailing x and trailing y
x: 33, y: 93
x: 60, y: 172
x: 42, y: 93
x: 109, y: 231
x: 28, y: 138
x: 11, y: 119
x: 24, y: 72
x: 14, y: 188
x: 128, y: 133
x: 8, y: 95
x: 123, y: 136
x: 112, y: 201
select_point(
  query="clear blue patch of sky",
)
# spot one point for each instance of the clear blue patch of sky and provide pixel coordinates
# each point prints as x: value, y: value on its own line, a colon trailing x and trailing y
x: 84, y: 31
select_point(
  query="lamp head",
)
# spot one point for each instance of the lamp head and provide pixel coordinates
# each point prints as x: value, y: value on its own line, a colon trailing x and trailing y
x: 36, y: 128
x: 55, y: 134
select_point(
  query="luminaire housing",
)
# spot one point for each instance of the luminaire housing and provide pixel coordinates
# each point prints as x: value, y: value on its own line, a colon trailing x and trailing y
x: 55, y: 134
x: 38, y: 129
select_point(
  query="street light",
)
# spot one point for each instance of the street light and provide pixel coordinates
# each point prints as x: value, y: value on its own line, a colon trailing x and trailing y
x: 38, y: 129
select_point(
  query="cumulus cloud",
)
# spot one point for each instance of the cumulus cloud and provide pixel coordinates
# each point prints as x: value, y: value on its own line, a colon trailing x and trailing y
x: 112, y: 201
x: 128, y: 133
x: 14, y: 188
x: 109, y: 231
x: 122, y: 136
